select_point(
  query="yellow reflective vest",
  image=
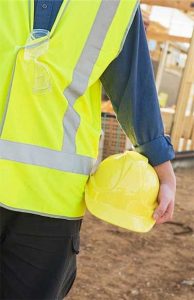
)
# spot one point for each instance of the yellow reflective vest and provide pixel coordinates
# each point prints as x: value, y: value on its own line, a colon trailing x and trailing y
x: 49, y: 138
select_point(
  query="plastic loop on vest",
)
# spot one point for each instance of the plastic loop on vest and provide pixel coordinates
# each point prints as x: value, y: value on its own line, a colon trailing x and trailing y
x: 36, y: 46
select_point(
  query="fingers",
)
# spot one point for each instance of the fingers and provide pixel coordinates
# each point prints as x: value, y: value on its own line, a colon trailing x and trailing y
x: 160, y: 210
x: 167, y: 215
x: 166, y: 200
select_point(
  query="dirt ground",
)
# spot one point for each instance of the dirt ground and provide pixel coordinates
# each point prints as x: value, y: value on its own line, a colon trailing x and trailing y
x: 115, y: 264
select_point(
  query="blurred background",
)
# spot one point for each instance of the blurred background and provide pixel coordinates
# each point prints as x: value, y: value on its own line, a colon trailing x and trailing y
x: 115, y: 264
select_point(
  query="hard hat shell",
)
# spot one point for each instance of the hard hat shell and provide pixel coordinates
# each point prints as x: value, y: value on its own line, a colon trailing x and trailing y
x: 123, y: 191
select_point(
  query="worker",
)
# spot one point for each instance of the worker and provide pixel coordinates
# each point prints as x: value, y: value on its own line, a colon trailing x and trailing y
x: 55, y: 57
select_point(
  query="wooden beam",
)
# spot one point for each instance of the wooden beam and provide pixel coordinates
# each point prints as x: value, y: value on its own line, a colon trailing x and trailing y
x: 161, y: 66
x: 183, y: 98
x: 157, y: 36
x: 180, y: 47
x: 187, y: 5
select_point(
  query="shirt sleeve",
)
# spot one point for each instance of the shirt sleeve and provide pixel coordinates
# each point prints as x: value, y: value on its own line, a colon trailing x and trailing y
x: 129, y: 83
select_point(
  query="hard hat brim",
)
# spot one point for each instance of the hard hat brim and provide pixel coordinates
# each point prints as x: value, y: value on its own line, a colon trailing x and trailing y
x: 122, y: 219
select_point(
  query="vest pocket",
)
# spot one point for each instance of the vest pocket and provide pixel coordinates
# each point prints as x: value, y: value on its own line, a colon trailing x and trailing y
x: 76, y: 244
x: 30, y: 118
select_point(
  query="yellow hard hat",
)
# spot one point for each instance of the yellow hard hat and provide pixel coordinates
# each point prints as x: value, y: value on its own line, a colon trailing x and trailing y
x: 123, y: 191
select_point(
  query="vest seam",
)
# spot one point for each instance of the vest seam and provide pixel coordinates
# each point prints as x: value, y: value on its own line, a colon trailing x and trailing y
x: 39, y: 213
x: 8, y: 98
x: 129, y: 26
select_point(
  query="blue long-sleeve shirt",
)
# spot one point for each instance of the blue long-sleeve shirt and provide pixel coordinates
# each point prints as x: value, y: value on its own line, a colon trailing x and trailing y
x: 129, y: 82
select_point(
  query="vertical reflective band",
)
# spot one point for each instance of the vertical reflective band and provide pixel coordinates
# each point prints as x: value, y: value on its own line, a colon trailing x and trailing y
x: 84, y: 69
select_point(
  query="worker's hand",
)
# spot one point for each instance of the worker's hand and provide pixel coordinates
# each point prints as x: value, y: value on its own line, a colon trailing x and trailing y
x: 166, y: 196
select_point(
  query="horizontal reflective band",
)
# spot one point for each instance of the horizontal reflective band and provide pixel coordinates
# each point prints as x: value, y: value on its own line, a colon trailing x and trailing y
x: 44, y: 157
x: 84, y: 68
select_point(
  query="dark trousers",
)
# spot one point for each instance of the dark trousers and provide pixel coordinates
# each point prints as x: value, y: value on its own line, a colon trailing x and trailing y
x: 37, y: 256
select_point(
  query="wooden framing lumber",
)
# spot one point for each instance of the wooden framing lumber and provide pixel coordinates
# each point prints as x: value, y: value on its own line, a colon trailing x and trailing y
x: 181, y: 120
x: 161, y: 66
x: 186, y: 5
x: 157, y: 36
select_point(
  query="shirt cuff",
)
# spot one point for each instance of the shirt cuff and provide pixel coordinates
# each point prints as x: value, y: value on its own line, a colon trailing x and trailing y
x: 158, y: 150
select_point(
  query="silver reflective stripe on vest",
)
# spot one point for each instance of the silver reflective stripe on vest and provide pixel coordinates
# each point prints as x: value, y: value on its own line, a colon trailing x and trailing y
x: 84, y: 69
x: 44, y: 157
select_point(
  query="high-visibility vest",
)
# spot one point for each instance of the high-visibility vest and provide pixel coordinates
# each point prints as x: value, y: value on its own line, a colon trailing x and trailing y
x: 49, y: 141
